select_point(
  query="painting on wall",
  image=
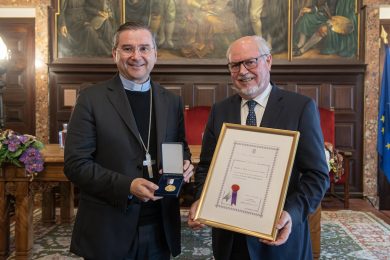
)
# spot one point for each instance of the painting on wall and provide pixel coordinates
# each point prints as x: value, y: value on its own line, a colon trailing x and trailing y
x: 201, y: 30
x: 85, y: 28
x: 325, y: 29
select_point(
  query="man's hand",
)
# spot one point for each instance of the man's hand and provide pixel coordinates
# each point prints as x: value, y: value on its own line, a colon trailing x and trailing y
x: 284, y: 226
x: 104, y: 14
x: 191, y: 216
x: 64, y: 31
x: 143, y: 189
x: 305, y: 10
x: 188, y: 170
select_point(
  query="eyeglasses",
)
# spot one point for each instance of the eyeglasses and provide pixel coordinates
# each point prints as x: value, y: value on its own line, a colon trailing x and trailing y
x: 142, y: 50
x: 248, y: 64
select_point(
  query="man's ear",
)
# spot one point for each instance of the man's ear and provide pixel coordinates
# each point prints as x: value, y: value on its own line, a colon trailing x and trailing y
x: 269, y: 62
x: 114, y: 55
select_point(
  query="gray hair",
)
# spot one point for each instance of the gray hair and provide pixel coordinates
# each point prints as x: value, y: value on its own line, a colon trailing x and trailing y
x: 262, y: 46
x: 131, y: 26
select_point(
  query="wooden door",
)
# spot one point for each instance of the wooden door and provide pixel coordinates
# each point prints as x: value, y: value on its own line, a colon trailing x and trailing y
x: 18, y: 93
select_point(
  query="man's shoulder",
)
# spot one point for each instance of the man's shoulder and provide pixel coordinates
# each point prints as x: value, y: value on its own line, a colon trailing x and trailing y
x: 290, y: 95
x: 164, y: 90
x: 98, y: 86
x: 228, y: 101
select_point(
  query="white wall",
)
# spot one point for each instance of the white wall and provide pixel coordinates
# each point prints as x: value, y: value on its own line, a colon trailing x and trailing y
x: 17, y: 12
x: 384, y: 12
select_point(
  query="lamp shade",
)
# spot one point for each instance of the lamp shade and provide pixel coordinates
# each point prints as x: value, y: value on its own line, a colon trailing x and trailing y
x: 3, y: 50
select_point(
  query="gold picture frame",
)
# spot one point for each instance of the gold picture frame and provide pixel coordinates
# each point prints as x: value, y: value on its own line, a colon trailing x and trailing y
x: 247, y: 182
x: 84, y: 30
x: 196, y: 32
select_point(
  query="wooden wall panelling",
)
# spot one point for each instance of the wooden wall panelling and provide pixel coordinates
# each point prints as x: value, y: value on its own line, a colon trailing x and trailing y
x: 348, y: 103
x: 344, y: 96
x: 205, y: 94
x: 310, y: 90
x: 177, y: 88
x: 70, y: 77
x: 197, y: 90
x: 337, y: 86
x: 229, y: 89
x: 211, y: 90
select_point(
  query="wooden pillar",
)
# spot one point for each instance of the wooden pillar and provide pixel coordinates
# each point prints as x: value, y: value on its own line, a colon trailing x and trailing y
x: 23, y: 220
x: 315, y: 232
x: 67, y: 201
x: 48, y: 207
x: 4, y: 222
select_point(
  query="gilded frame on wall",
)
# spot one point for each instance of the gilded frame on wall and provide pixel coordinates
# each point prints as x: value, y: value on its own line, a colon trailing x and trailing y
x: 325, y: 29
x: 84, y: 28
x: 200, y: 31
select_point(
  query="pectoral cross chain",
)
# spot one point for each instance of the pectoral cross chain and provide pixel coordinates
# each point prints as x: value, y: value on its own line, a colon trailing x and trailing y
x: 149, y: 162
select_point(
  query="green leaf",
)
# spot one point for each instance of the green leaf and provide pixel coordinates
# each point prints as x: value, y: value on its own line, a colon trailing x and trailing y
x: 17, y: 153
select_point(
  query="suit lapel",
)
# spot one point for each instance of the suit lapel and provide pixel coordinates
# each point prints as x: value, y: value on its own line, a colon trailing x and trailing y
x: 117, y: 96
x: 234, y: 110
x: 160, y: 103
x: 273, y: 109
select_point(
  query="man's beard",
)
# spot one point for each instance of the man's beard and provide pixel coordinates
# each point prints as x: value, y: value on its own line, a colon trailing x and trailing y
x: 248, y: 92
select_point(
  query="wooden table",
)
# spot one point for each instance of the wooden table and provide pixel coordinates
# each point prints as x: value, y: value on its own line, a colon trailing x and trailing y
x: 13, y: 181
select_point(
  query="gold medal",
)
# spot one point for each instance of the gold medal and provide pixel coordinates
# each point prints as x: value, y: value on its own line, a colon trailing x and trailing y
x: 170, y: 188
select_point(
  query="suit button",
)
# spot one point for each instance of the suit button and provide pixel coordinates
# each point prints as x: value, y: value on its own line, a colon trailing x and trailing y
x: 139, y: 167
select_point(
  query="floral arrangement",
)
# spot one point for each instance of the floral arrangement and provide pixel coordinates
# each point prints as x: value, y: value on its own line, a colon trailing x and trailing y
x: 21, y: 149
x: 335, y: 162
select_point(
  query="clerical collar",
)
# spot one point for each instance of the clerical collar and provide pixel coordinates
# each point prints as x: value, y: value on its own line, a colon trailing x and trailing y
x: 132, y: 86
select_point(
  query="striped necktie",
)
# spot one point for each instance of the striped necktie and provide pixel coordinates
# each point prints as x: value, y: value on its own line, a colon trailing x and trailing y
x: 251, y: 119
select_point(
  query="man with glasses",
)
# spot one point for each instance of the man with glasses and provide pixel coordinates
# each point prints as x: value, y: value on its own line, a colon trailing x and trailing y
x: 259, y: 102
x: 113, y: 155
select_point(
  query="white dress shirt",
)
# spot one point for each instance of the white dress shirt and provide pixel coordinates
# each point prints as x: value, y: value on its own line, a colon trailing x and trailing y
x: 261, y: 101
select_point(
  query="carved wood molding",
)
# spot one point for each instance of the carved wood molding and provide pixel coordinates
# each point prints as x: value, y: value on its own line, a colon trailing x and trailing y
x: 10, y: 188
x: 34, y: 187
x: 42, y: 186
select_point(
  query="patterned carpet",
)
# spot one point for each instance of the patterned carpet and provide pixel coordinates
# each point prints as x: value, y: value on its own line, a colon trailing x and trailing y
x: 345, y: 235
x: 349, y: 234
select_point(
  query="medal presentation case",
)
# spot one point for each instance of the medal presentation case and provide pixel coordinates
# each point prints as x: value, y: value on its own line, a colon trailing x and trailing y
x: 172, y: 178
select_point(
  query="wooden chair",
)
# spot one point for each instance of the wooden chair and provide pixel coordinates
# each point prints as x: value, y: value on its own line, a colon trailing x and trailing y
x: 315, y: 232
x: 195, y: 120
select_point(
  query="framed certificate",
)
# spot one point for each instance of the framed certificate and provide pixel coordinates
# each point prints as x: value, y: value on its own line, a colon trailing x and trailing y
x: 247, y: 182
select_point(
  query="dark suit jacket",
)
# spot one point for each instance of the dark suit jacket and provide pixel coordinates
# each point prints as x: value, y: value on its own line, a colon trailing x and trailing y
x: 309, y: 178
x: 103, y: 154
